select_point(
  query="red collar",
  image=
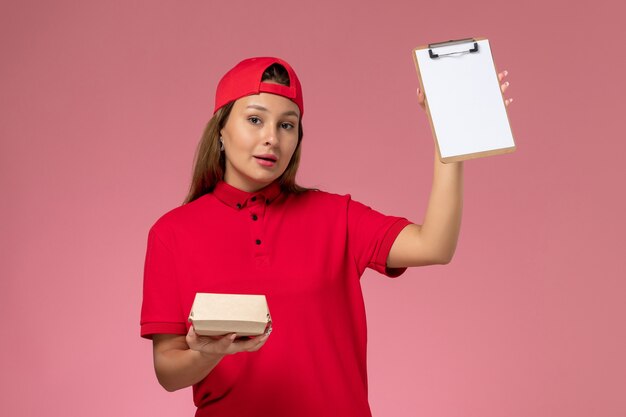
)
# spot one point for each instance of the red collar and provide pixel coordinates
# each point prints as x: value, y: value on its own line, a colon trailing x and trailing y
x: 236, y: 198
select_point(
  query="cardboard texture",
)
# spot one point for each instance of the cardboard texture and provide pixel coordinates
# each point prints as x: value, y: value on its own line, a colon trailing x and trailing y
x: 219, y: 314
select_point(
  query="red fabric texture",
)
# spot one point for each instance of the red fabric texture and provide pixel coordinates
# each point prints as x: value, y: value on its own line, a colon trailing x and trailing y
x: 313, y: 249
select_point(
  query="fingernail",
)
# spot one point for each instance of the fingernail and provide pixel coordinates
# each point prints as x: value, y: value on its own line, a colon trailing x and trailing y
x: 233, y: 336
x: 506, y: 72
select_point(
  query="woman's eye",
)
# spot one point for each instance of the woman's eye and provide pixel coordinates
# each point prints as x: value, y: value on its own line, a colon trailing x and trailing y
x: 254, y: 120
x: 286, y: 126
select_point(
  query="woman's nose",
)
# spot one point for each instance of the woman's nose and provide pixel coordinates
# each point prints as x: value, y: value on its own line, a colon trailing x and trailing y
x: 271, y: 136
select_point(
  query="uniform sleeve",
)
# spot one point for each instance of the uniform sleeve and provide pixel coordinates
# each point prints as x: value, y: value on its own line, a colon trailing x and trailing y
x: 161, y: 311
x: 370, y: 237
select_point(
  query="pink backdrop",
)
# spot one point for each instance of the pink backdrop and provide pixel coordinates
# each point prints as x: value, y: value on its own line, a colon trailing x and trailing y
x: 102, y: 105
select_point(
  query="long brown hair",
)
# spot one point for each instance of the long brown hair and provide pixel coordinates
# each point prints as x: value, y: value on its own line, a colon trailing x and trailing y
x: 210, y: 163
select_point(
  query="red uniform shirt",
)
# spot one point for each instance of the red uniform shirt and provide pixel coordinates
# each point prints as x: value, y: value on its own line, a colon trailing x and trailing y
x: 306, y: 253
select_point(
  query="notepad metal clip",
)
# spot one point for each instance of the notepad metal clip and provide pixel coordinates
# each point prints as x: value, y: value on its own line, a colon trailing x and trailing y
x: 433, y: 55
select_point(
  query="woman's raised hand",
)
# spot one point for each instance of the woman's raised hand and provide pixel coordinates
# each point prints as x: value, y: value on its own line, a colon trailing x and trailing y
x: 223, y: 345
x: 421, y: 99
x: 504, y: 85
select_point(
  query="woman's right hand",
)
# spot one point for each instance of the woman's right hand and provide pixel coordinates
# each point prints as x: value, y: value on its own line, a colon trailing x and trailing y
x: 223, y: 345
x: 177, y: 365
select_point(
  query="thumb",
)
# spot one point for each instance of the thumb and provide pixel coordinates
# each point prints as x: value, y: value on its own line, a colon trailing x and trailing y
x: 228, y: 339
x: 191, y: 333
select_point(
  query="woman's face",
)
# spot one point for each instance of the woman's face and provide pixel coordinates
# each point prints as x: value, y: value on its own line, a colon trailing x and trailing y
x: 260, y: 136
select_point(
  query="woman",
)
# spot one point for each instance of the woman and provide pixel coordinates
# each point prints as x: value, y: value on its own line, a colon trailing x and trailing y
x: 247, y: 227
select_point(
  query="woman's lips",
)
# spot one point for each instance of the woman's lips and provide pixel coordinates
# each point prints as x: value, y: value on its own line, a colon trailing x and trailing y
x: 266, y: 161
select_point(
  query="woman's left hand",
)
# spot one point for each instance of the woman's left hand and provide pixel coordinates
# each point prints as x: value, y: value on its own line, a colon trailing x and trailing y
x: 504, y: 86
x: 421, y: 99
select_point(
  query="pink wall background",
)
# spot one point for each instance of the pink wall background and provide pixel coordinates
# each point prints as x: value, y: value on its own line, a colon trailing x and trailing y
x: 102, y: 105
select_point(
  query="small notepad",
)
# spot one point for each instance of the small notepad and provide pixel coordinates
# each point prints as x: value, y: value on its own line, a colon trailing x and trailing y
x: 464, y: 102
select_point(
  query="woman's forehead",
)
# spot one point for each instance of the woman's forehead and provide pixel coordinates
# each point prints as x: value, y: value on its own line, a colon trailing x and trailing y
x: 267, y: 102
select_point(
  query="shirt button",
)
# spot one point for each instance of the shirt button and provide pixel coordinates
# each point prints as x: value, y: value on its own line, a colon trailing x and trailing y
x: 254, y: 217
x: 238, y: 205
x: 253, y: 199
x: 267, y: 202
x: 258, y: 242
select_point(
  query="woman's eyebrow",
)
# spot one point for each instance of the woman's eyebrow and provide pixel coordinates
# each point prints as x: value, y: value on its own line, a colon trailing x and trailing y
x: 258, y: 107
x: 290, y: 113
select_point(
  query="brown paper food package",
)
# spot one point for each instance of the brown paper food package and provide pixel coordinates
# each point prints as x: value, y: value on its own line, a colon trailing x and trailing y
x: 219, y: 314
